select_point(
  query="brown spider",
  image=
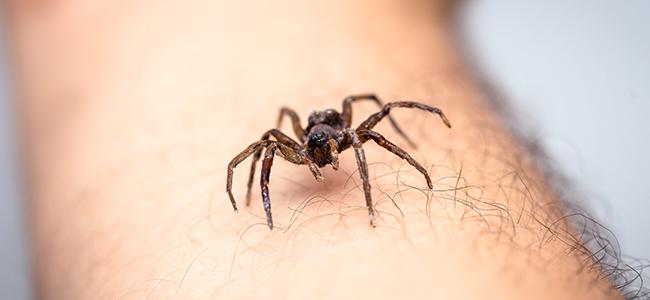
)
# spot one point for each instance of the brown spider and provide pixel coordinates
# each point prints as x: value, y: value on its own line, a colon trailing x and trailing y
x: 327, y: 134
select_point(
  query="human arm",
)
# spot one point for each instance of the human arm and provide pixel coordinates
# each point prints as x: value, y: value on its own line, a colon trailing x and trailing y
x: 134, y: 110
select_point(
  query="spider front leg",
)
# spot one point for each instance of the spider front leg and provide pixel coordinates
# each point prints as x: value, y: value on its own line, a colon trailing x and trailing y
x: 346, y: 113
x: 369, y: 123
x: 386, y: 144
x: 290, y: 155
x: 363, y: 171
x: 283, y: 139
x: 252, y: 148
x: 267, y: 163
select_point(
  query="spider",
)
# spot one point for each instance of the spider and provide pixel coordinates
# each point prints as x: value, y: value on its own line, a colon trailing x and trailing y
x: 327, y: 134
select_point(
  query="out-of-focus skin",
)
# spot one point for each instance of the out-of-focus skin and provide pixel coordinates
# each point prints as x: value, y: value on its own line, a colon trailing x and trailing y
x: 131, y: 111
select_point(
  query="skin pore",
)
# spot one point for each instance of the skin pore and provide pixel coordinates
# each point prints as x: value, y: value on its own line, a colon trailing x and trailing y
x: 132, y: 110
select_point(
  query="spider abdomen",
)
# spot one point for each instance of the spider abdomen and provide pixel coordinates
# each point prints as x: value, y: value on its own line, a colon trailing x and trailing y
x: 328, y: 117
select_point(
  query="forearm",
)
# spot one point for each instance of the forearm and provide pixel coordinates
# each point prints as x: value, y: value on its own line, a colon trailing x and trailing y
x: 127, y: 175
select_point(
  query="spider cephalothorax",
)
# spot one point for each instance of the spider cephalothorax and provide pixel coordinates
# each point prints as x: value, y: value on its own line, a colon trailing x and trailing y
x: 323, y: 142
x: 328, y: 133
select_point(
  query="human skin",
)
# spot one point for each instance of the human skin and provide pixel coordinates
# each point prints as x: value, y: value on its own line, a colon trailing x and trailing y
x: 132, y: 110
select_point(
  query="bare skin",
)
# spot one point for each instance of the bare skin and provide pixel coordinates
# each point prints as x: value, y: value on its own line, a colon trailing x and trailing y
x: 135, y: 108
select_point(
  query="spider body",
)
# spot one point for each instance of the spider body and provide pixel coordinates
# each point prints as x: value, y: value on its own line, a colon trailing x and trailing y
x: 327, y: 134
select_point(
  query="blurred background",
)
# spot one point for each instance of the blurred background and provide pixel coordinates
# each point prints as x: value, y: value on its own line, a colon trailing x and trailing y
x: 577, y: 72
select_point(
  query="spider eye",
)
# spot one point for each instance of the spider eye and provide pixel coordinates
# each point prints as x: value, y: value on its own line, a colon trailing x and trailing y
x: 316, y: 139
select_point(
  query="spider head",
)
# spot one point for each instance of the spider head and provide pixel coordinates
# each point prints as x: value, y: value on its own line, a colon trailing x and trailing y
x: 322, y: 145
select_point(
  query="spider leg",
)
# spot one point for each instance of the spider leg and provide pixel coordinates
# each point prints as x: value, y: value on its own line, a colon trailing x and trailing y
x: 267, y: 163
x: 291, y: 151
x: 363, y: 171
x: 365, y: 135
x: 252, y: 148
x: 251, y: 175
x: 295, y: 122
x: 369, y: 123
x: 346, y: 114
x: 281, y: 138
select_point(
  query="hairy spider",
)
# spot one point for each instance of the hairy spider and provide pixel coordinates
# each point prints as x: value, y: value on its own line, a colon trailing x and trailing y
x: 328, y: 133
